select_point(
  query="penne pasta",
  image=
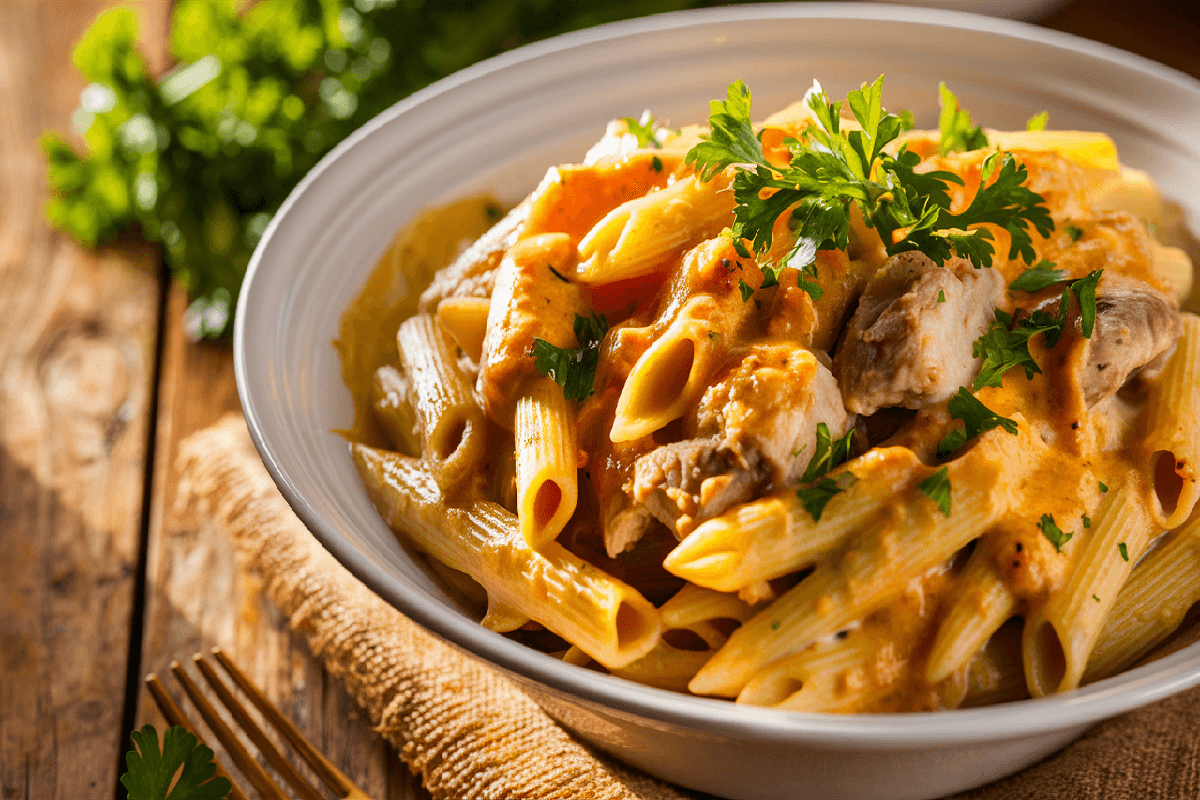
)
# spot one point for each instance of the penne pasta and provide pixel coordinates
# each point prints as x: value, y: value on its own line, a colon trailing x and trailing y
x: 1173, y: 443
x: 546, y: 453
x: 465, y: 319
x: 392, y: 406
x: 451, y: 422
x: 983, y: 603
x: 606, y: 618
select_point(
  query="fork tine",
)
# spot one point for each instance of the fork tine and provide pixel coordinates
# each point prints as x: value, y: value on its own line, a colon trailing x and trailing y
x: 245, y: 762
x: 332, y: 776
x: 264, y: 745
x: 175, y: 717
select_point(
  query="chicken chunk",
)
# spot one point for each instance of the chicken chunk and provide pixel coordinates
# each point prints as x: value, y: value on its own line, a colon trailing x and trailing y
x: 909, y: 342
x: 1136, y: 328
x: 754, y: 427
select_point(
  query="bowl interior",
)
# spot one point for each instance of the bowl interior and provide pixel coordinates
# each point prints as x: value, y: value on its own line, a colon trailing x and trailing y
x: 498, y: 126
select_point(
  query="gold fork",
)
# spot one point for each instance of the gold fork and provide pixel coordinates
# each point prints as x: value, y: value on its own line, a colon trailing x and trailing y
x: 334, y: 778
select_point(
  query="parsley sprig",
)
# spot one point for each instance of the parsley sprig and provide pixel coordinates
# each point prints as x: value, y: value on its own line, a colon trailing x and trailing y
x: 956, y: 133
x: 1005, y: 346
x: 1057, y: 536
x: 644, y: 129
x: 937, y: 488
x: 150, y: 770
x: 573, y: 368
x: 832, y: 168
x: 817, y: 489
x: 976, y: 417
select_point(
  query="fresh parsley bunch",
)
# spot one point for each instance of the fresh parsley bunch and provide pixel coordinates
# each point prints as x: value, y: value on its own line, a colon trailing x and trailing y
x: 832, y: 168
x: 201, y: 158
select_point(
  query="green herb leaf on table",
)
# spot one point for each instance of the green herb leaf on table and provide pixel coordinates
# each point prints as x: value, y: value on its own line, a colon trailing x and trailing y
x: 150, y: 771
x: 573, y: 368
x: 1053, y: 533
x: 937, y: 488
x: 976, y: 417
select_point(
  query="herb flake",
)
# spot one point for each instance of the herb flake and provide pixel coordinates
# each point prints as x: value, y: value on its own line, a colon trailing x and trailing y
x: 574, y: 368
x: 1053, y: 533
x: 977, y: 418
x: 937, y: 488
x: 1123, y: 550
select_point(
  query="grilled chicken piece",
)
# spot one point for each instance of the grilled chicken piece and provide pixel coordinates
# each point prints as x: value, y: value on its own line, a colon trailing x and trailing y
x: 753, y: 427
x: 909, y: 342
x: 1136, y: 328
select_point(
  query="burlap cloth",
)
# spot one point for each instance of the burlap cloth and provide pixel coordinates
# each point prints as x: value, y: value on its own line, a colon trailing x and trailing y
x: 471, y: 733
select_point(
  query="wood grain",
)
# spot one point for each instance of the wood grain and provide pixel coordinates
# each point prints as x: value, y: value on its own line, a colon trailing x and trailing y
x: 198, y: 598
x: 76, y: 376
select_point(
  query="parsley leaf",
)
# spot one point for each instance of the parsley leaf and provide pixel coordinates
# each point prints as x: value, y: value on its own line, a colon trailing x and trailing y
x: 829, y: 453
x: 1038, y: 122
x: 1123, y: 550
x: 816, y: 496
x: 1087, y: 521
x: 937, y: 488
x: 1002, y: 347
x: 954, y: 125
x: 1038, y: 277
x: 1052, y: 532
x: 977, y: 418
x: 941, y: 295
x: 150, y: 771
x: 907, y: 122
x: 831, y: 168
x: 574, y: 369
x: 1085, y: 293
x: 1074, y: 232
x: 643, y: 128
x: 746, y: 289
x: 1103, y: 486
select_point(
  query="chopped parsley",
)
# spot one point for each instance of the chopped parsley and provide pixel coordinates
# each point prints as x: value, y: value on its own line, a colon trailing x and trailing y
x: 937, y: 488
x: 1005, y: 346
x: 977, y: 418
x: 150, y: 772
x: 574, y: 369
x: 1103, y: 486
x: 1087, y: 521
x: 817, y: 489
x: 1038, y: 122
x: 746, y: 289
x: 831, y: 168
x: 643, y: 129
x: 1038, y: 277
x: 770, y: 277
x: 941, y: 295
x: 1097, y: 599
x: 1076, y: 233
x: 775, y: 625
x: 1056, y: 535
x: 954, y: 126
x: 657, y: 164
x: 1124, y: 551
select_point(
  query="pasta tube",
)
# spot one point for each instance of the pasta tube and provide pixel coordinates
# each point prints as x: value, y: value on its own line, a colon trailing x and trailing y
x: 451, y: 422
x: 1173, y: 443
x: 392, y: 406
x: 983, y: 603
x: 913, y: 537
x: 603, y: 616
x: 1059, y: 636
x: 465, y: 318
x: 1151, y: 605
x: 641, y: 236
x: 769, y: 538
x: 547, y: 450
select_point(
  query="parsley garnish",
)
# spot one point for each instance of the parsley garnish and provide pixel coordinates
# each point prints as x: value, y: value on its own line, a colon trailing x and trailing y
x: 907, y: 122
x: 1038, y: 122
x: 746, y: 289
x: 656, y: 163
x: 1097, y: 599
x: 816, y: 496
x: 941, y: 295
x: 977, y: 418
x: 1087, y: 521
x: 643, y: 129
x: 829, y: 453
x: 1004, y: 346
x: 1074, y: 232
x: 770, y: 277
x: 150, y: 772
x: 1124, y: 551
x: 1038, y: 277
x: 831, y: 168
x: 1052, y: 532
x: 1103, y: 486
x: 573, y: 369
x: 954, y: 125
x: 937, y: 488
x: 775, y: 625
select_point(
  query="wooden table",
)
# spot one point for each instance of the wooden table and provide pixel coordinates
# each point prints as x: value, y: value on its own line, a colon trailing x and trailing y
x: 102, y: 578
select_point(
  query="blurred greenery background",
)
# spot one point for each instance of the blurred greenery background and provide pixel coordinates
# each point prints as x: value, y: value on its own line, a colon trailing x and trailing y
x: 201, y: 157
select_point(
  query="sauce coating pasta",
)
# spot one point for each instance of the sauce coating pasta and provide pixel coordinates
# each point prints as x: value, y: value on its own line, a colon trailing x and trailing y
x: 812, y: 413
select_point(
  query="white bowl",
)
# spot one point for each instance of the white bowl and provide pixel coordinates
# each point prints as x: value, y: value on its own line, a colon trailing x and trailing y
x: 496, y: 127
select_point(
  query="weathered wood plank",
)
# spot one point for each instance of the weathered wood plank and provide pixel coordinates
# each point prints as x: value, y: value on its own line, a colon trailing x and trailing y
x: 76, y: 371
x: 197, y: 597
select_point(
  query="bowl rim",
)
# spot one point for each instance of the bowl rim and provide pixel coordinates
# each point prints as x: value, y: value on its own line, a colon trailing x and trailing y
x: 1089, y: 704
